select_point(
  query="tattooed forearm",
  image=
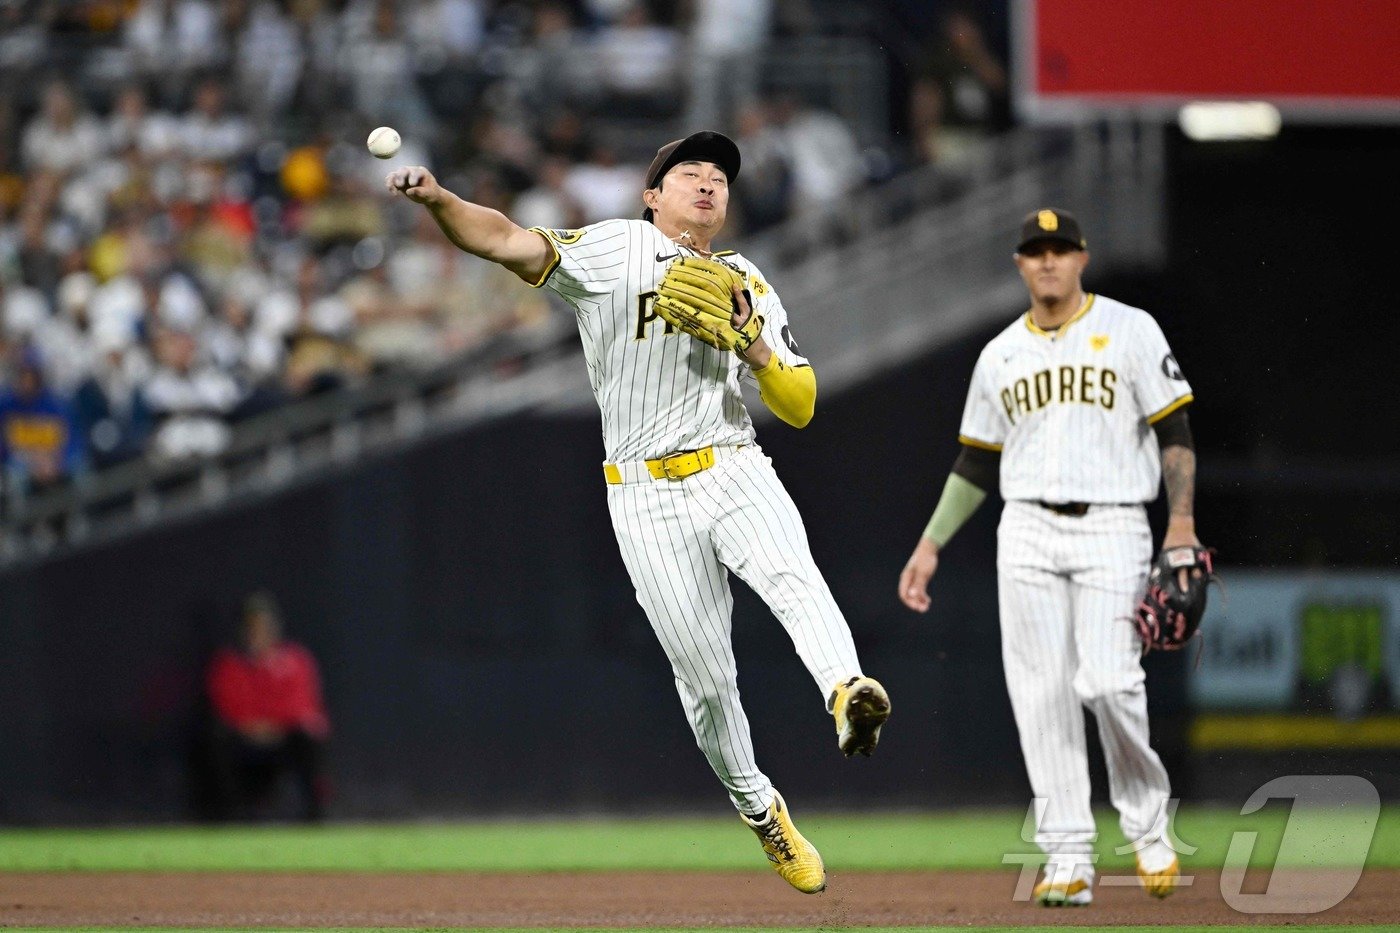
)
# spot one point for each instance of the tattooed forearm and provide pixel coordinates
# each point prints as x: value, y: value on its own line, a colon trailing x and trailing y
x: 1179, y: 476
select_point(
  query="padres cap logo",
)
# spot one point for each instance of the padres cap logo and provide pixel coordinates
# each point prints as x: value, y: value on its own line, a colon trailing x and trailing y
x: 1051, y: 223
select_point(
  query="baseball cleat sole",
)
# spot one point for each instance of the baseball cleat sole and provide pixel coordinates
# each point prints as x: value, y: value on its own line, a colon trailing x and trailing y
x: 861, y: 708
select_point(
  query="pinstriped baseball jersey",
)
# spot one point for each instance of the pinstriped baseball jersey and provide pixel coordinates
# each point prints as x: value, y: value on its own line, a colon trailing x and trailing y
x: 663, y: 391
x: 1071, y: 410
x: 659, y: 390
x: 1071, y: 413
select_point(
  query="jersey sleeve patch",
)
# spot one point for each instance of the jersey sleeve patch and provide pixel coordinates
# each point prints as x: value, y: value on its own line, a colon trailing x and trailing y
x: 567, y: 237
x: 1171, y: 369
x: 789, y: 341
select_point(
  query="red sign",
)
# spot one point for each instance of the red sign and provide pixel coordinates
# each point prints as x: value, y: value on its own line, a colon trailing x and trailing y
x: 1312, y: 54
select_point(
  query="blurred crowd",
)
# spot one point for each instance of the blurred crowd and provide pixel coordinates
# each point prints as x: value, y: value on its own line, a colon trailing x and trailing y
x: 191, y: 231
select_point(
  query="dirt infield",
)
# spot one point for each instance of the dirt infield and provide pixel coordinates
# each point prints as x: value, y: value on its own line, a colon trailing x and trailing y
x: 624, y: 899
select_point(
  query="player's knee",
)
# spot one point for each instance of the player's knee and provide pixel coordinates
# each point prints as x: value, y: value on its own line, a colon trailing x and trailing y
x: 1039, y: 693
x: 1094, y: 686
x: 711, y: 694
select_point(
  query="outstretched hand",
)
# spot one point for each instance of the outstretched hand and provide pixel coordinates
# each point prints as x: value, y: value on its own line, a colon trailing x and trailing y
x: 914, y: 580
x: 414, y: 182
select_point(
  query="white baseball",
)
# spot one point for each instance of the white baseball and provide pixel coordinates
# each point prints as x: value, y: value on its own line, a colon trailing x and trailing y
x: 384, y: 142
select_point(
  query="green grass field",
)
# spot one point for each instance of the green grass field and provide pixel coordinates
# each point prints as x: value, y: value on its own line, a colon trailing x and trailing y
x: 1017, y: 929
x: 956, y: 839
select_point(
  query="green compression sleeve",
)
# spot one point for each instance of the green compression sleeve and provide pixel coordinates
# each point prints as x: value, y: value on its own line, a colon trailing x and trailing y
x: 959, y: 500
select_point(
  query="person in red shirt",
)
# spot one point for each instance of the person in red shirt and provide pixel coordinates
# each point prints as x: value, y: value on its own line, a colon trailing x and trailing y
x: 269, y: 716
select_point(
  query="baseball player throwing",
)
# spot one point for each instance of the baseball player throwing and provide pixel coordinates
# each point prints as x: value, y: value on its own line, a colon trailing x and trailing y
x: 670, y: 326
x: 1079, y: 406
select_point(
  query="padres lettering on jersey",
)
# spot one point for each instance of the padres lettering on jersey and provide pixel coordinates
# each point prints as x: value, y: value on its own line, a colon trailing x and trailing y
x: 1071, y: 411
x: 646, y: 313
x: 1086, y: 384
x: 659, y: 390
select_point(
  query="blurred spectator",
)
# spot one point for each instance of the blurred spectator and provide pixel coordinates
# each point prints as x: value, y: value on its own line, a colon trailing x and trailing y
x: 505, y: 148
x: 40, y: 444
x: 270, y: 58
x: 64, y: 340
x: 393, y: 328
x: 41, y: 238
x: 317, y: 325
x: 210, y: 132
x: 471, y: 301
x: 346, y: 213
x: 24, y: 311
x: 62, y: 138
x: 111, y: 407
x: 548, y: 203
x: 602, y: 188
x: 379, y: 63
x: 552, y: 65
x: 219, y: 227
x: 174, y: 37
x: 821, y: 152
x: 117, y: 310
x: 566, y: 135
x: 637, y: 64
x: 269, y: 717
x: 959, y: 95
x: 189, y: 401
x: 252, y: 355
x: 448, y: 30
x: 727, y: 44
x: 133, y: 124
x: 23, y: 28
x: 765, y: 197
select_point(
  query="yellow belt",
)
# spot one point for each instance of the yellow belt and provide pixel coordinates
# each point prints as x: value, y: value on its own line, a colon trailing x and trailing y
x: 675, y: 466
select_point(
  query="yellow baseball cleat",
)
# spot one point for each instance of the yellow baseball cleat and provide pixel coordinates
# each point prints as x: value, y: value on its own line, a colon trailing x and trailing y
x: 793, y: 857
x: 860, y: 707
x: 1066, y: 884
x: 1160, y: 883
x: 1074, y: 894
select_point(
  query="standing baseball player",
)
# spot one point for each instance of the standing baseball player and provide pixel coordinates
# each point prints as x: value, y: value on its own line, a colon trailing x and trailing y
x: 1080, y: 408
x: 670, y: 327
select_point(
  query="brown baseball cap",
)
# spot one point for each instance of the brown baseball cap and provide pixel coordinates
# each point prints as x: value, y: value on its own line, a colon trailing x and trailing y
x: 705, y: 146
x: 1051, y: 223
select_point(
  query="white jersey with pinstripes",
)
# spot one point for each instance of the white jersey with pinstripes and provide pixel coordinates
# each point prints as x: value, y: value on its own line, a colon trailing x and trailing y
x: 1071, y: 413
x: 1071, y: 410
x: 659, y: 390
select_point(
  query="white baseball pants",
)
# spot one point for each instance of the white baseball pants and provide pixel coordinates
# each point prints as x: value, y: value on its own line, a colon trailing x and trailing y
x: 680, y: 540
x: 1067, y: 588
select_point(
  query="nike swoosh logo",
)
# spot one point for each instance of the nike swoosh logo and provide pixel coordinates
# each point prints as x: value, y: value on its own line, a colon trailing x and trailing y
x: 661, y: 258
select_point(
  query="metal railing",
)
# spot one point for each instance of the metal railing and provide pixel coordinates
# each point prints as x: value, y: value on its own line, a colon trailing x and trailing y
x: 278, y: 449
